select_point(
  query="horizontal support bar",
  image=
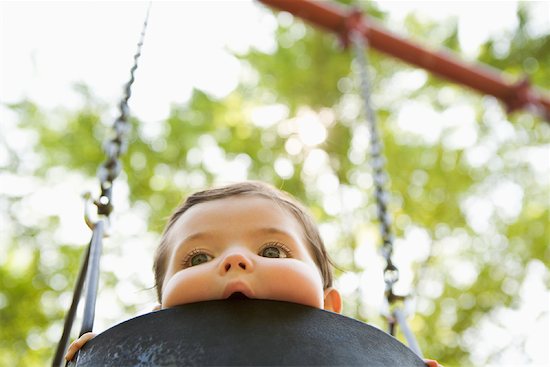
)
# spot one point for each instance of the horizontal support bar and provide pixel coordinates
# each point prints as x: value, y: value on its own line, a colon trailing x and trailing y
x: 444, y: 63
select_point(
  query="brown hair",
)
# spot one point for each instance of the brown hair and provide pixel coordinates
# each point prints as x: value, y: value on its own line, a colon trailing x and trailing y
x: 311, y: 233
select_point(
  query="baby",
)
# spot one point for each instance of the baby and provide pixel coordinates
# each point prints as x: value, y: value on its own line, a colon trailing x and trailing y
x: 247, y: 239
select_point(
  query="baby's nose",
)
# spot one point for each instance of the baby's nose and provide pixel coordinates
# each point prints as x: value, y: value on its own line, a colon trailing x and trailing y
x: 236, y: 262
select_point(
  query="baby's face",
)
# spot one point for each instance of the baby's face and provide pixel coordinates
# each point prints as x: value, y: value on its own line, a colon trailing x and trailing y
x: 246, y: 244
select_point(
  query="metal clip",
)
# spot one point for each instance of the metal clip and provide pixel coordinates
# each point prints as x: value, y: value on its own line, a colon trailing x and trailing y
x: 91, y: 222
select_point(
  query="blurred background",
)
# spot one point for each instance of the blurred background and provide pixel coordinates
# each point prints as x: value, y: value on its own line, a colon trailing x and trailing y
x: 230, y: 90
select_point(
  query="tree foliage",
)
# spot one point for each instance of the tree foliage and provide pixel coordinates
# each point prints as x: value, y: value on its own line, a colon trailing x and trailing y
x: 450, y: 177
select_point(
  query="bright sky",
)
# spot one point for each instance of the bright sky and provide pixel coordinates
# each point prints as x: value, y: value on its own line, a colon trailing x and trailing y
x: 46, y: 47
x: 60, y: 43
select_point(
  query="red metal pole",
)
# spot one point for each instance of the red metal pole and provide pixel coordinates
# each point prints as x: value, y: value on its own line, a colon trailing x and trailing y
x: 480, y: 77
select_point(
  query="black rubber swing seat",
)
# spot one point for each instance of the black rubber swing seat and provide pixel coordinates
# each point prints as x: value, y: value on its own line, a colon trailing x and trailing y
x: 244, y: 333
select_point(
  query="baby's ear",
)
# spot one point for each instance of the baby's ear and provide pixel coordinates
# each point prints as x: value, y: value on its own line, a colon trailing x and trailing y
x: 333, y: 300
x: 156, y: 308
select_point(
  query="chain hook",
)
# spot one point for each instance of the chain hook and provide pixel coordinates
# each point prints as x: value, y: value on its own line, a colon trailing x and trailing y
x: 87, y: 196
x: 89, y: 219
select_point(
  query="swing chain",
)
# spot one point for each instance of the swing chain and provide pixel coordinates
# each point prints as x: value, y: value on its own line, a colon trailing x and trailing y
x: 395, y: 314
x: 109, y: 170
x: 391, y: 272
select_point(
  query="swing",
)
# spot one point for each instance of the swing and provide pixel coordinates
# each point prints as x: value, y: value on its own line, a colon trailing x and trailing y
x: 244, y: 333
x: 247, y: 332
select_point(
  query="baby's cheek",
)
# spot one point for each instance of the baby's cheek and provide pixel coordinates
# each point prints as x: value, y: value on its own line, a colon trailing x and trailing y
x: 294, y: 281
x: 188, y: 286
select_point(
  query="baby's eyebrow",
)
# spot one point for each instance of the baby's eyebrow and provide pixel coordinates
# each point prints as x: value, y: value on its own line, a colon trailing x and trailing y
x: 196, y: 236
x: 288, y: 236
x: 271, y: 230
x: 192, y: 238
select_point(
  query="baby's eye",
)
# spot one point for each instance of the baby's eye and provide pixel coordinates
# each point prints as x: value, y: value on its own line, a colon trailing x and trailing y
x: 195, y: 258
x: 274, y: 250
x: 199, y: 259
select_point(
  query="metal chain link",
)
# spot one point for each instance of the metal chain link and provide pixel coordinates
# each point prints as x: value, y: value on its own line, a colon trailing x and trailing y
x: 114, y: 147
x: 107, y: 173
x: 391, y: 273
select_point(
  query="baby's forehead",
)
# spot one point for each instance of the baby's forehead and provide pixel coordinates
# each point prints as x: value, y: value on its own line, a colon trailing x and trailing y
x: 239, y: 218
x: 241, y: 211
x: 240, y: 203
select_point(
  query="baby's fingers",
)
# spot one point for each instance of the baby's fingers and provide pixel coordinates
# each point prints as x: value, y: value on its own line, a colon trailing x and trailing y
x: 77, y: 344
x: 432, y: 363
